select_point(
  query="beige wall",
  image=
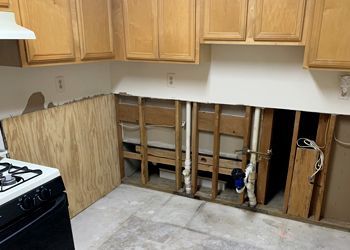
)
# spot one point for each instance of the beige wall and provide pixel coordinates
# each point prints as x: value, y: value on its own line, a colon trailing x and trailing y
x: 18, y: 84
x: 337, y: 194
x: 265, y: 76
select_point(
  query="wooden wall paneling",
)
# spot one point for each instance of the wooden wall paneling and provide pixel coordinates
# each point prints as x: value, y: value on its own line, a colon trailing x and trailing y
x: 225, y: 20
x: 119, y: 139
x: 194, y: 142
x: 177, y: 30
x: 264, y: 164
x: 76, y: 138
x: 216, y: 152
x: 178, y: 144
x: 54, y: 36
x: 95, y: 29
x: 322, y: 176
x: 291, y: 160
x: 141, y: 29
x: 246, y: 142
x: 301, y: 188
x: 143, y: 142
x: 279, y: 21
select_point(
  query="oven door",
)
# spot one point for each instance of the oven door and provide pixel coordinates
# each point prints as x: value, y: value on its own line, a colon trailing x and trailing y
x: 47, y: 228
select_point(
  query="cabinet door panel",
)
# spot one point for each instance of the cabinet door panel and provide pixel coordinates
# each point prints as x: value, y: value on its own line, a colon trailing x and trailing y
x: 4, y: 3
x: 177, y: 29
x: 52, y: 23
x: 141, y: 29
x: 330, y: 38
x: 281, y: 20
x: 225, y: 19
x: 95, y: 28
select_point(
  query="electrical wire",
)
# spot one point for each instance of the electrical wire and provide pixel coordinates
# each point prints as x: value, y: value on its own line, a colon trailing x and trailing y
x: 341, y: 142
x: 307, y: 143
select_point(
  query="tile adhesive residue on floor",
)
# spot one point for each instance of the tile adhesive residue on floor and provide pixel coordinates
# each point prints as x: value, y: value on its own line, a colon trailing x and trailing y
x: 136, y: 218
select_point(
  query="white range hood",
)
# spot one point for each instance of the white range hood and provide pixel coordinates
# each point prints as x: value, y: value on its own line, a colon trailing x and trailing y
x: 10, y: 30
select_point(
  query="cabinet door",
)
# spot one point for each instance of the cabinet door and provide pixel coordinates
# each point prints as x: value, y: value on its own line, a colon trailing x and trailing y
x: 52, y: 23
x: 330, y: 38
x: 225, y: 19
x: 141, y: 29
x: 95, y: 29
x: 177, y: 30
x: 281, y: 20
x: 4, y: 3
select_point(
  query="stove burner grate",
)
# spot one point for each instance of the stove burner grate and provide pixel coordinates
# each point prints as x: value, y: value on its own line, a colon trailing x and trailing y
x: 13, y: 176
x: 8, y: 180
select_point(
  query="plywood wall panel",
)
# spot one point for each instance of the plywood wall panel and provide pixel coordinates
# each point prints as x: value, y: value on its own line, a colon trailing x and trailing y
x: 80, y: 139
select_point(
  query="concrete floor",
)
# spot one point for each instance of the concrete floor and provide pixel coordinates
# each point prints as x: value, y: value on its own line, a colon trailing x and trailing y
x: 137, y: 218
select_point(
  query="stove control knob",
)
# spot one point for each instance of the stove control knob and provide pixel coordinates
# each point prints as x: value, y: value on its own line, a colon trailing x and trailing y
x: 44, y: 194
x: 27, y: 203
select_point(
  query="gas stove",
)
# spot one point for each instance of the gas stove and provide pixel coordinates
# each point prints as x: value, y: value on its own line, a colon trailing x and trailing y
x: 18, y: 177
x: 33, y: 207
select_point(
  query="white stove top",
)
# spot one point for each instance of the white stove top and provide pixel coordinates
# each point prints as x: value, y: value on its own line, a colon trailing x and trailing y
x: 8, y: 193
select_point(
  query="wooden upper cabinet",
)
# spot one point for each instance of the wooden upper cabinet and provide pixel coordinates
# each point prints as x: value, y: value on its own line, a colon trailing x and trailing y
x: 329, y: 45
x: 95, y: 29
x: 4, y: 3
x: 177, y: 29
x: 225, y: 19
x: 51, y: 21
x: 141, y: 29
x: 281, y: 20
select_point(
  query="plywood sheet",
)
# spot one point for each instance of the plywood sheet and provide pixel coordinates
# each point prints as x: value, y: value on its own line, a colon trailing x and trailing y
x: 301, y: 189
x: 80, y: 139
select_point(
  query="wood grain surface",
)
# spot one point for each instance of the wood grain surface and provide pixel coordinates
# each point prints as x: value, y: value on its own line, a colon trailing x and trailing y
x: 80, y: 139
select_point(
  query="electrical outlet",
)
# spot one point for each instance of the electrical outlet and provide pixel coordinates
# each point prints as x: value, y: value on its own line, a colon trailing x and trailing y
x: 344, y: 87
x: 171, y: 80
x: 59, y: 83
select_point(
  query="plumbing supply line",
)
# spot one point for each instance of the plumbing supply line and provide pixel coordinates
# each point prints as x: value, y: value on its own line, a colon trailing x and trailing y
x: 187, y: 172
x: 251, y: 168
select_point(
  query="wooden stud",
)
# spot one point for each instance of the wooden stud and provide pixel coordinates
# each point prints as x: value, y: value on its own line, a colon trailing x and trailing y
x: 301, y: 189
x: 119, y: 139
x: 143, y: 142
x: 225, y: 167
x: 229, y: 125
x: 216, y: 152
x: 246, y: 141
x: 321, y: 180
x: 178, y: 144
x: 291, y: 160
x: 322, y: 130
x: 264, y: 164
x: 128, y: 113
x: 195, y: 136
x: 131, y: 155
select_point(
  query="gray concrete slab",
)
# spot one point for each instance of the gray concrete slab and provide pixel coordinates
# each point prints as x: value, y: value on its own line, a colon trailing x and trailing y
x: 137, y: 218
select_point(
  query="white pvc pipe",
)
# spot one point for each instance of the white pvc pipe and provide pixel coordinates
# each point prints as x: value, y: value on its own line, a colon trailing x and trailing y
x: 255, y: 134
x: 251, y: 168
x: 187, y: 170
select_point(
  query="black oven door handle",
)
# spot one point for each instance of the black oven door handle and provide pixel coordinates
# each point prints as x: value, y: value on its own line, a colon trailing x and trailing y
x: 58, y: 203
